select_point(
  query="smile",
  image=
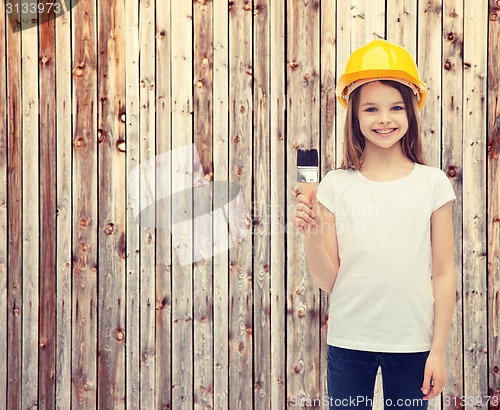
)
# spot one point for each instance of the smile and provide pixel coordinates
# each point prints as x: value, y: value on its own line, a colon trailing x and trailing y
x: 386, y: 131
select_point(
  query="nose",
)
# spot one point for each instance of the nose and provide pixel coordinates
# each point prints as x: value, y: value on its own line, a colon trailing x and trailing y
x: 384, y: 117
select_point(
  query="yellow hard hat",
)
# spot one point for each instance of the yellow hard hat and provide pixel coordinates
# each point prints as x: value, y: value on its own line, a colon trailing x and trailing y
x: 380, y: 60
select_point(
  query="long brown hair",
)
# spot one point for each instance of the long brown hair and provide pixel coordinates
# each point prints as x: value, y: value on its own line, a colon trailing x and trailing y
x: 354, y: 141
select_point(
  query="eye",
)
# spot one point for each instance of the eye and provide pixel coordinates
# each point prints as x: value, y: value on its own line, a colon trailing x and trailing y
x: 398, y: 108
x: 371, y: 109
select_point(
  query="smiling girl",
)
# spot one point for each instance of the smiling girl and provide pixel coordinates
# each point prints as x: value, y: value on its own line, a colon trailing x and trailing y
x: 392, y: 278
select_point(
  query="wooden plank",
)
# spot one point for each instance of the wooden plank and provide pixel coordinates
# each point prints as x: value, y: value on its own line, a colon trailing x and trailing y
x: 343, y: 50
x: 278, y: 208
x: 303, y: 99
x: 48, y: 161
x: 14, y: 217
x: 358, y: 22
x: 111, y: 238
x: 240, y: 172
x: 163, y: 241
x: 84, y: 297
x: 147, y: 130
x: 64, y: 221
x: 474, y: 195
x: 327, y: 150
x: 182, y: 236
x: 132, y: 331
x: 452, y: 151
x: 261, y: 201
x: 367, y: 21
x: 429, y: 53
x: 493, y: 212
x: 3, y: 212
x: 221, y: 173
x: 31, y: 215
x: 203, y: 322
x: 402, y: 24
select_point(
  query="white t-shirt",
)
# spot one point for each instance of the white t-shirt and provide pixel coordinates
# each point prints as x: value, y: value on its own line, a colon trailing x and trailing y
x: 382, y: 299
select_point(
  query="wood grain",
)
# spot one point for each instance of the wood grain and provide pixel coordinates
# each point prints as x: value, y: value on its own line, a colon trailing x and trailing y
x: 241, y: 328
x: 474, y: 243
x: 3, y: 214
x: 203, y: 321
x: 428, y: 58
x: 221, y: 173
x: 163, y: 241
x: 111, y: 229
x: 14, y: 219
x: 85, y: 173
x: 182, y: 207
x: 303, y: 102
x: 260, y: 212
x: 277, y: 203
x: 430, y: 29
x: 451, y: 162
x: 31, y: 219
x: 133, y: 245
x: 402, y: 24
x: 47, y: 172
x: 64, y: 215
x: 493, y: 193
x: 343, y: 50
x: 147, y: 239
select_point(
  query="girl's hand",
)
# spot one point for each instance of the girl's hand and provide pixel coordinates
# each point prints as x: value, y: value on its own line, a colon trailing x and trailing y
x: 307, y: 216
x: 435, y: 371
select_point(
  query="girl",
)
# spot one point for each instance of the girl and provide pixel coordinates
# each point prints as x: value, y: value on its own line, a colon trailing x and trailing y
x: 378, y: 236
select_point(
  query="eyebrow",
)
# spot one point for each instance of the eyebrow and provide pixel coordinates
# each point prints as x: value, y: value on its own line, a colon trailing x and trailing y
x: 370, y: 103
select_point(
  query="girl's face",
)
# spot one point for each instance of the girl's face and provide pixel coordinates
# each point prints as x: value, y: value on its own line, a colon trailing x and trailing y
x: 382, y: 115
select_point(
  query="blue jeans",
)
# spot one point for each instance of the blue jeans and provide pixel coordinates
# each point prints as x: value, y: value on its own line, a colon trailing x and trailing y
x: 352, y: 373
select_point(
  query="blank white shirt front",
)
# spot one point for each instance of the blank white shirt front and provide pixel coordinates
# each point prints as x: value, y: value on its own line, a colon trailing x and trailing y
x: 382, y: 299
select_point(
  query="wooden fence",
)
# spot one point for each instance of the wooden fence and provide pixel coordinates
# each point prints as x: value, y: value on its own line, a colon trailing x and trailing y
x: 97, y: 311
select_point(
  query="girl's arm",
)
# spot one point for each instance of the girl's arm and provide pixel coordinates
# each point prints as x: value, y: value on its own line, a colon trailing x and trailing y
x: 444, y: 287
x: 321, y: 248
x: 443, y: 275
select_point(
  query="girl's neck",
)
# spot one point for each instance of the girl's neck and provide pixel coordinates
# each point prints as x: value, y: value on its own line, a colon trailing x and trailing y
x: 385, y: 159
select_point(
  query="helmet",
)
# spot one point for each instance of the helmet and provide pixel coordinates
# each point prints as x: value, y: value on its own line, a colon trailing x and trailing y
x: 380, y: 60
